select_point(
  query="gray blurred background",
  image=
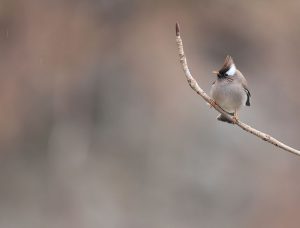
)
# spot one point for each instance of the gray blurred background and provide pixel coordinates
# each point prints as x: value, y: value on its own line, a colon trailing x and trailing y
x: 99, y: 127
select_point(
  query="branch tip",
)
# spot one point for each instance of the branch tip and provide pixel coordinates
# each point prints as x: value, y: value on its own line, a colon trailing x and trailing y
x: 177, y: 29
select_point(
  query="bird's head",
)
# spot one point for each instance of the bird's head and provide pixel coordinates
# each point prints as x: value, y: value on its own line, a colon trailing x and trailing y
x: 228, y: 69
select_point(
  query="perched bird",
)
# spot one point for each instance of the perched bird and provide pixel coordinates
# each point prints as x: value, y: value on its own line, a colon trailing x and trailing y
x: 230, y: 90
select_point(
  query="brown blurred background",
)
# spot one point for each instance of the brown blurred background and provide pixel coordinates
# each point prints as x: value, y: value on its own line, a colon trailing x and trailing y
x: 100, y: 129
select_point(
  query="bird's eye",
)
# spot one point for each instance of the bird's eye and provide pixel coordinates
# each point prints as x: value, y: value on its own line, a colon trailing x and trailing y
x: 226, y: 74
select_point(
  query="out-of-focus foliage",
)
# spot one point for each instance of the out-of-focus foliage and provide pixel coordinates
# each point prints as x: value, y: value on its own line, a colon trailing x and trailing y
x: 100, y: 129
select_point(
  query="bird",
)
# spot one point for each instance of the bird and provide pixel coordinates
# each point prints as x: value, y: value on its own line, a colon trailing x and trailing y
x: 230, y: 90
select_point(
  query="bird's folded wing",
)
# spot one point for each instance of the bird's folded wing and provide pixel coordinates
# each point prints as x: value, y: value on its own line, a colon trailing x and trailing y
x: 248, y: 94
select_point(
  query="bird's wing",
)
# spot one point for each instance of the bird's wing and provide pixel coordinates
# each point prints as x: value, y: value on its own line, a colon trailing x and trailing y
x: 248, y: 94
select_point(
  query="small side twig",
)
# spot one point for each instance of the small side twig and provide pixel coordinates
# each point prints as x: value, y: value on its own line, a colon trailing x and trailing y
x: 194, y: 85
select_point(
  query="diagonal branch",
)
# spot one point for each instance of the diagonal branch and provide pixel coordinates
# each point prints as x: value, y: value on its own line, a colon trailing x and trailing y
x: 194, y: 85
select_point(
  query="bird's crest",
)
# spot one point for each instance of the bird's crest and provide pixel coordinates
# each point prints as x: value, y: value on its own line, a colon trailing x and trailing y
x: 228, y: 67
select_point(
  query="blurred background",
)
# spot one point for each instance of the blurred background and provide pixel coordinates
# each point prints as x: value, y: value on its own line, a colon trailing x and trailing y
x: 99, y: 127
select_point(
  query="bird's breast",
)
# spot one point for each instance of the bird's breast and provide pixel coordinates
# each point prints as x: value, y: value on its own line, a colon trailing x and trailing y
x: 230, y: 95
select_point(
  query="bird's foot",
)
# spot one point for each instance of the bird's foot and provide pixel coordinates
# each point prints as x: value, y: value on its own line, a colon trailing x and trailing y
x: 235, y: 118
x: 212, y: 103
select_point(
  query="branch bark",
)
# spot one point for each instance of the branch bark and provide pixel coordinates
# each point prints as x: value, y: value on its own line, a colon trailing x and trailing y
x: 194, y: 85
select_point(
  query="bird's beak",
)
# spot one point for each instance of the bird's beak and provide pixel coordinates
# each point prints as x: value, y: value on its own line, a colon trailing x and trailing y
x: 215, y: 72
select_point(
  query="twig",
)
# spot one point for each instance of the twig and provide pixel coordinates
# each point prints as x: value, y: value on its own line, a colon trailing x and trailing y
x: 194, y: 85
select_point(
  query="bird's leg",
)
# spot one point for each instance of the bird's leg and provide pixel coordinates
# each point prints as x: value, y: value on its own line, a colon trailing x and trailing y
x: 212, y: 103
x: 235, y: 117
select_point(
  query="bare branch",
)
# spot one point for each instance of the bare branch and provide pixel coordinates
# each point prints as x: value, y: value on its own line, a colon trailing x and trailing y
x: 194, y: 85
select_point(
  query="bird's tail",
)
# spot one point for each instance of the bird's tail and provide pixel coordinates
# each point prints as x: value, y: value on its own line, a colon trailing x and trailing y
x: 223, y: 118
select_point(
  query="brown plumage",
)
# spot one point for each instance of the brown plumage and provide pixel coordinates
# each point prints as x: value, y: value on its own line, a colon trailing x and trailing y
x: 226, y: 66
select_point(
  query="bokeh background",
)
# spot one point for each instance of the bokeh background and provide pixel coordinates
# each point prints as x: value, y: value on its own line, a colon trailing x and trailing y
x: 99, y: 127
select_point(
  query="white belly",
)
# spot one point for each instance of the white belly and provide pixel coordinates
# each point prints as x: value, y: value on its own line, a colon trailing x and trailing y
x: 229, y: 95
